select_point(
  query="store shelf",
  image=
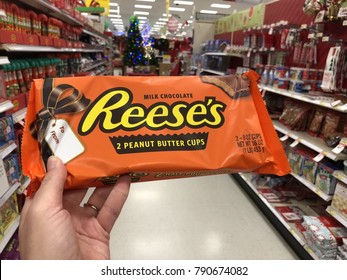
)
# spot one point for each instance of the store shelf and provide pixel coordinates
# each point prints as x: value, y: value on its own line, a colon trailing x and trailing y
x: 340, y: 175
x: 224, y: 54
x: 4, y: 60
x: 9, y: 192
x: 333, y: 212
x: 96, y: 34
x: 94, y: 65
x: 9, y: 233
x: 305, y: 98
x: 19, y: 115
x: 6, y: 105
x: 313, y: 143
x: 52, y: 10
x: 6, y: 149
x: 301, y: 241
x: 219, y: 73
x: 312, y: 187
x: 246, y: 178
x: 29, y: 48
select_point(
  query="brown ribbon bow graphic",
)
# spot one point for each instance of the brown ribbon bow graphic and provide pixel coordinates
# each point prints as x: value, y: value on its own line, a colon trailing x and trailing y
x: 54, y: 104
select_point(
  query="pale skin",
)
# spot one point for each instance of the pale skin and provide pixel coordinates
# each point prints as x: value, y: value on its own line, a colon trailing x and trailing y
x: 54, y: 227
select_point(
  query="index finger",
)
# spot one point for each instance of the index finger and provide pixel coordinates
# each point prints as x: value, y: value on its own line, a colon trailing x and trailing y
x: 114, y: 203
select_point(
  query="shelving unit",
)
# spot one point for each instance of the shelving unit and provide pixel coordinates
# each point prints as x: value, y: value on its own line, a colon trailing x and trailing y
x: 305, y: 98
x: 312, y: 187
x: 9, y: 233
x: 96, y: 47
x: 331, y: 210
x: 53, y: 11
x: 5, y: 105
x: 94, y: 65
x: 7, y: 149
x: 290, y: 234
x: 9, y: 192
x: 29, y: 48
x: 313, y: 143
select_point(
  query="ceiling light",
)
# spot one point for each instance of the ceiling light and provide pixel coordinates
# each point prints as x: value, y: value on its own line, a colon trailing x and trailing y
x: 146, y: 0
x: 114, y: 11
x: 165, y: 15
x: 142, y: 17
x: 177, y: 9
x: 189, y: 21
x: 163, y: 19
x: 143, y: 6
x: 208, y: 12
x: 113, y: 4
x: 222, y: 6
x: 184, y: 2
x: 141, y: 13
x: 115, y: 16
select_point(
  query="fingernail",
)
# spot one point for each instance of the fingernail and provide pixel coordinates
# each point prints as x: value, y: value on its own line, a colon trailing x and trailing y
x: 52, y: 163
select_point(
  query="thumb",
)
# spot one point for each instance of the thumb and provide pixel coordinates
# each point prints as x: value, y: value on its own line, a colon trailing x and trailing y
x: 52, y: 187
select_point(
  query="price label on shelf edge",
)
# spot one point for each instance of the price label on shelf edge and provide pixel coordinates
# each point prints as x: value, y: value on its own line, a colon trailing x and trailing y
x: 318, y: 157
x: 339, y: 148
x: 295, y: 143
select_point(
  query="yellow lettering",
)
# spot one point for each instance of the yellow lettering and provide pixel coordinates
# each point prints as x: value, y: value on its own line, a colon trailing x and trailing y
x: 89, y: 120
x: 133, y: 112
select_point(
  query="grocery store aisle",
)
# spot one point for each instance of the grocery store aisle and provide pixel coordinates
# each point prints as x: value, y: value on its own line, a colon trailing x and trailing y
x: 194, y: 218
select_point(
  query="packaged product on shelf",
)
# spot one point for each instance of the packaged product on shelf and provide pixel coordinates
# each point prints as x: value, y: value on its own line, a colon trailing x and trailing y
x: 9, y: 212
x: 151, y: 127
x: 291, y: 214
x: 11, y: 168
x: 330, y: 125
x: 295, y: 159
x: 316, y: 123
x: 340, y: 199
x: 325, y: 180
x: 319, y: 238
x: 11, y: 251
x: 6, y: 130
x: 309, y: 166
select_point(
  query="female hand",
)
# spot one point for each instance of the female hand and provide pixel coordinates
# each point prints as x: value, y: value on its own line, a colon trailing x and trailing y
x: 53, y: 226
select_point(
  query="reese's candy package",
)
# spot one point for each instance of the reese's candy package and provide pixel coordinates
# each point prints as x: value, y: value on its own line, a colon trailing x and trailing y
x: 149, y: 127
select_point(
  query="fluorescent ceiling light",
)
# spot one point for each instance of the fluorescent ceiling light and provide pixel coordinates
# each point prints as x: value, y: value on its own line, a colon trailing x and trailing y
x: 143, y: 6
x: 222, y: 6
x: 146, y: 0
x: 165, y: 15
x: 114, y: 11
x: 115, y: 16
x: 142, y: 17
x: 113, y: 4
x: 163, y: 19
x: 208, y: 12
x: 189, y: 3
x: 141, y: 13
x: 177, y: 9
x: 189, y: 21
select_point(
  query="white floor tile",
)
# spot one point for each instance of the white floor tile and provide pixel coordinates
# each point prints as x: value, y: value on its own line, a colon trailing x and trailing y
x: 195, y: 218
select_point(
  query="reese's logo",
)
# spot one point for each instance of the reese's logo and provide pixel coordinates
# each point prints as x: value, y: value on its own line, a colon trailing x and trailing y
x: 113, y: 110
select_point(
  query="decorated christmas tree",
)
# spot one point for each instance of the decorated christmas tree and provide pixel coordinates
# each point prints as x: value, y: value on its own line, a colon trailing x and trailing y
x: 134, y: 53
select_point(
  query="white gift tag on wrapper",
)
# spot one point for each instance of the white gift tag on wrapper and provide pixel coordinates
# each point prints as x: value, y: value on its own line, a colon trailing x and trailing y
x: 62, y: 140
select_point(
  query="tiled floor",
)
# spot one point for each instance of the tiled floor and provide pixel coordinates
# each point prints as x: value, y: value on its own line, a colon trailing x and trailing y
x: 195, y: 218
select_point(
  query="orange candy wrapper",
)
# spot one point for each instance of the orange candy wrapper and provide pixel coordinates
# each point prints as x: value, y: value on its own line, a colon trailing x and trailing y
x: 149, y: 127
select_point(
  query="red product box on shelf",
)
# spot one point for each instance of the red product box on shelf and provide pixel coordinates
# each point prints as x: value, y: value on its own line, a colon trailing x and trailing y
x: 19, y: 101
x: 46, y: 41
x: 11, y: 37
x: 69, y: 44
x: 59, y: 43
x: 30, y: 39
